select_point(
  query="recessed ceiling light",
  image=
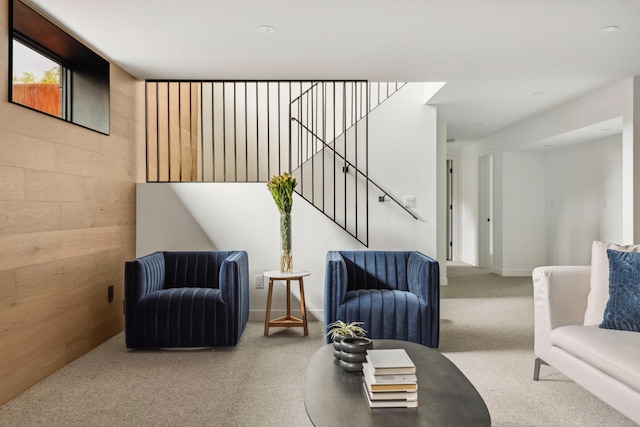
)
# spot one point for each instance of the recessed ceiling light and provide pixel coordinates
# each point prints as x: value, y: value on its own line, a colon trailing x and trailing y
x: 540, y: 92
x: 265, y: 29
x: 609, y: 29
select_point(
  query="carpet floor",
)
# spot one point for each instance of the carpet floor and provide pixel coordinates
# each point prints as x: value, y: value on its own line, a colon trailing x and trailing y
x: 486, y: 330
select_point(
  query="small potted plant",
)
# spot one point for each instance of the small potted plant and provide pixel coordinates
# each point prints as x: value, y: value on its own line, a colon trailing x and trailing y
x: 339, y: 330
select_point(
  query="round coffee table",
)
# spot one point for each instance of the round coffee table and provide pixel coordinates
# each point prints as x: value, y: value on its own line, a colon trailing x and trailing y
x: 334, y: 397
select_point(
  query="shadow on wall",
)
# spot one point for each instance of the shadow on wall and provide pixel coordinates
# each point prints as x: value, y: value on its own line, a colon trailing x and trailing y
x: 180, y: 230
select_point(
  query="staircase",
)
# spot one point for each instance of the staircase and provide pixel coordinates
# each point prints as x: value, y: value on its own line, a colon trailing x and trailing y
x: 329, y: 142
x: 248, y: 131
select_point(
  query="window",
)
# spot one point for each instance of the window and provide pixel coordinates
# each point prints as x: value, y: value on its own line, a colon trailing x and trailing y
x: 54, y: 73
x: 38, y: 81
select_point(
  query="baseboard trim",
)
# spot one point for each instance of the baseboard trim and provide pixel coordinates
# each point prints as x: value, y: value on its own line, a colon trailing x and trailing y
x: 513, y: 272
x: 470, y: 261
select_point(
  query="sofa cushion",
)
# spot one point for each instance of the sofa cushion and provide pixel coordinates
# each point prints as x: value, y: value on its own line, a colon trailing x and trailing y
x: 623, y: 308
x: 386, y: 314
x: 376, y: 269
x: 615, y: 353
x: 599, y: 284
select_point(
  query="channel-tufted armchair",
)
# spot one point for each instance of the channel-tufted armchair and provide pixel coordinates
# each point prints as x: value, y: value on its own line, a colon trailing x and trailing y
x: 395, y: 294
x: 186, y: 299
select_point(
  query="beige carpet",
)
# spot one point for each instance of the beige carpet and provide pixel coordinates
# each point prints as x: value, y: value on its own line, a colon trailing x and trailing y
x: 487, y: 330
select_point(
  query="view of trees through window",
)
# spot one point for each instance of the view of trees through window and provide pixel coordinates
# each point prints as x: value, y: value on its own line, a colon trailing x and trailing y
x: 36, y: 80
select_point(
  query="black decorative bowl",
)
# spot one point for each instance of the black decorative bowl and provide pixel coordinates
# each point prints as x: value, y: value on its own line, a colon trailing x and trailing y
x: 336, y: 345
x: 353, y: 352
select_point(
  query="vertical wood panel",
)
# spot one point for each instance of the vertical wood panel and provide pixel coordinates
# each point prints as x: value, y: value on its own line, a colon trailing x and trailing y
x: 193, y: 131
x: 175, y: 147
x: 185, y: 130
x: 163, y: 132
x: 152, y: 132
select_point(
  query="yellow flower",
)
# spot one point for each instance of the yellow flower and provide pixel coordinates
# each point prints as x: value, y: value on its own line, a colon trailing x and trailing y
x: 281, y: 189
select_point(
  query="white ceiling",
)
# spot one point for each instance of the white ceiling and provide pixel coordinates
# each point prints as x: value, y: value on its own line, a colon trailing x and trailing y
x: 493, y: 54
x: 605, y: 129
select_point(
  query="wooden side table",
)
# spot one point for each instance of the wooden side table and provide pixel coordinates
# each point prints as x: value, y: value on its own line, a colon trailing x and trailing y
x: 287, y: 321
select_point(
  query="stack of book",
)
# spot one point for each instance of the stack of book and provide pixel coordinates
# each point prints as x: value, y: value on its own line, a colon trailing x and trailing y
x: 389, y: 379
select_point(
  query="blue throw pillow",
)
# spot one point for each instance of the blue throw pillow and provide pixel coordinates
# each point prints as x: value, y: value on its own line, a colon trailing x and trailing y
x: 623, y: 308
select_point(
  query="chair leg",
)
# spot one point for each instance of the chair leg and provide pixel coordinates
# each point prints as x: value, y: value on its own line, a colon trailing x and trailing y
x: 536, y: 368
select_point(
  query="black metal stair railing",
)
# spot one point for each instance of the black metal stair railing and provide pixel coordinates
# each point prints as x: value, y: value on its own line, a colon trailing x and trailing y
x: 248, y: 131
x: 349, y: 165
x: 330, y: 136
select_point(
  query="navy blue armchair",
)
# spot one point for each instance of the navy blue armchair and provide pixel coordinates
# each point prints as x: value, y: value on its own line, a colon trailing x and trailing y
x: 395, y: 294
x: 186, y: 299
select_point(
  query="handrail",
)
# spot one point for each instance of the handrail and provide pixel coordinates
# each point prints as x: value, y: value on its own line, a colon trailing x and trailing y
x: 386, y: 193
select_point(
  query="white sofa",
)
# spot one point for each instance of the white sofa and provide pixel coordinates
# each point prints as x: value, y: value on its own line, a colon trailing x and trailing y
x: 605, y: 362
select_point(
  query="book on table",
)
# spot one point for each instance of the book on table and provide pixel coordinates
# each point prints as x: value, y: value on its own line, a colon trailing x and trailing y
x: 389, y: 378
x: 408, y: 396
x: 385, y: 403
x: 392, y: 361
x: 373, y: 385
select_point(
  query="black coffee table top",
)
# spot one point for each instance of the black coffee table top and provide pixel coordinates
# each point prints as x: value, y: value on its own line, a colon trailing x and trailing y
x: 334, y: 397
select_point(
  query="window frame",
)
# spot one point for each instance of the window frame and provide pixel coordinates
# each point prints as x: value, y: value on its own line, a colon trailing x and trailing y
x: 65, y: 75
x: 85, y: 75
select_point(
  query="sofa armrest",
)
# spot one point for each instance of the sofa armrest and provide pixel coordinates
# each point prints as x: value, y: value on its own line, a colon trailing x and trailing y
x: 234, y: 289
x: 560, y: 299
x: 423, y: 277
x: 143, y: 276
x: 234, y: 276
x: 335, y: 285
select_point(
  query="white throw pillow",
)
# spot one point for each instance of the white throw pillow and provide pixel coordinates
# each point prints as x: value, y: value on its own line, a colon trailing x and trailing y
x: 599, y: 291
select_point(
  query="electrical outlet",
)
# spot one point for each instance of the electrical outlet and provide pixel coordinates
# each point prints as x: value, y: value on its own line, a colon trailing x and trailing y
x: 110, y: 293
x: 259, y: 281
x: 409, y: 201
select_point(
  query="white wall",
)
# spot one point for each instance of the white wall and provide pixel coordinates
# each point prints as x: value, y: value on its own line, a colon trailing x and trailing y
x: 523, y: 214
x: 164, y: 223
x: 620, y: 100
x: 583, y: 199
x: 402, y: 156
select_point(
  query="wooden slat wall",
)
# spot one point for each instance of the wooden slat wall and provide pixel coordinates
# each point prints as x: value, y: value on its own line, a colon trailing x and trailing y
x: 67, y: 225
x: 172, y: 128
